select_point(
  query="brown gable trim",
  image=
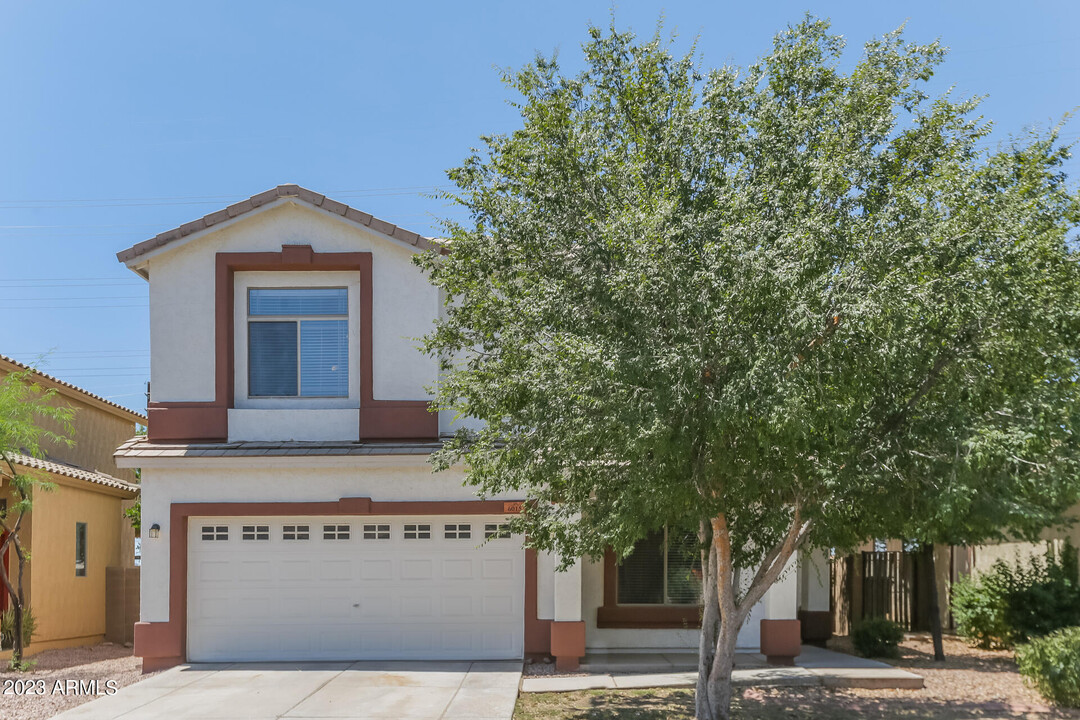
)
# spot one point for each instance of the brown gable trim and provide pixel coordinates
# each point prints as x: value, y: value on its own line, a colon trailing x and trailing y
x: 164, y: 644
x: 72, y: 391
x: 379, y: 419
x: 256, y: 201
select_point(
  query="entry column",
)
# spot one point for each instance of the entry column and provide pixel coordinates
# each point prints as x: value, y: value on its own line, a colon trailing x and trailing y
x: 568, y: 629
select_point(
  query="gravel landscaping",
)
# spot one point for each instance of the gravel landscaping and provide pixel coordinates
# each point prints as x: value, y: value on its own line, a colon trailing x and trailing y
x: 62, y: 679
x: 971, y: 683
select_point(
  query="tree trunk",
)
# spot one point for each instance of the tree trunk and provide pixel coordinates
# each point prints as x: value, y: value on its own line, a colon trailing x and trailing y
x: 720, y: 690
x: 733, y: 606
x: 9, y: 589
x: 935, y: 610
x: 17, y: 630
x: 710, y: 628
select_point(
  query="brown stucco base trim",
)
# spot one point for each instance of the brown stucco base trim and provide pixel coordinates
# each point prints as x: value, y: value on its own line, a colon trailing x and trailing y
x: 781, y: 641
x: 165, y: 643
x: 537, y: 631
x: 567, y: 644
x: 186, y: 422
x: 613, y: 615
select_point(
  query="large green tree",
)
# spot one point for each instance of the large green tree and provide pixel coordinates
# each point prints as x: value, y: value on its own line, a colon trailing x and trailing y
x: 778, y: 305
x: 27, y: 412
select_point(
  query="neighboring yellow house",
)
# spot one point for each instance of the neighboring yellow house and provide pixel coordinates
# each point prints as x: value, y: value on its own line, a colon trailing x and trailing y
x: 77, y: 530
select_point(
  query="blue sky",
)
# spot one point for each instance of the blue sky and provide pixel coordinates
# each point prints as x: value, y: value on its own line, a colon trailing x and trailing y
x: 125, y: 119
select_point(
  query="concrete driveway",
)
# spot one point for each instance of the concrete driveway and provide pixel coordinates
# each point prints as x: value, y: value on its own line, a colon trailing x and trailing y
x: 304, y: 691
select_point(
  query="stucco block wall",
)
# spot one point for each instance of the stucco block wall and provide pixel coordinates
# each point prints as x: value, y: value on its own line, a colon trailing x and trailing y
x: 182, y: 303
x: 984, y: 556
x: 67, y: 606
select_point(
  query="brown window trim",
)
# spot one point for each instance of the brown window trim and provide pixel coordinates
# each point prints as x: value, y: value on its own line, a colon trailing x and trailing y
x: 613, y: 615
x: 208, y: 421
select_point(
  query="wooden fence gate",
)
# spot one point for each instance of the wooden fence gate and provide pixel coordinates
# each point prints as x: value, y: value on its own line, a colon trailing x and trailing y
x: 879, y: 584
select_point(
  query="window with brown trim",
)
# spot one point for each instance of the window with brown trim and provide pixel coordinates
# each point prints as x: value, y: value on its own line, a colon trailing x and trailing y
x: 663, y: 569
x: 657, y: 586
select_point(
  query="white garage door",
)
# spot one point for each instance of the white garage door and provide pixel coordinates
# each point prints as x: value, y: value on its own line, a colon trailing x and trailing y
x: 354, y: 588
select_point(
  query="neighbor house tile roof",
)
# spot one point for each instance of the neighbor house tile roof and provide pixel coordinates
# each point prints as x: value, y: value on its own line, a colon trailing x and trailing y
x: 141, y: 447
x: 72, y: 471
x: 15, y: 366
x: 256, y: 201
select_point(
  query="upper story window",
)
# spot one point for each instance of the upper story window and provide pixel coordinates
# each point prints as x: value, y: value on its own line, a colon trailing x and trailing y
x: 298, y: 342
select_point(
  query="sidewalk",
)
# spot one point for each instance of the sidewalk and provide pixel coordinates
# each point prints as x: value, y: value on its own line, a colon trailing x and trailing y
x: 815, y: 666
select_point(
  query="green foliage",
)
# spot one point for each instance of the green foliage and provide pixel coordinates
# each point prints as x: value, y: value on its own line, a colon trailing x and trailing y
x: 7, y: 627
x: 134, y: 516
x: 26, y: 415
x: 799, y: 300
x: 683, y: 292
x: 877, y: 637
x: 1052, y: 664
x: 979, y: 606
x: 1012, y: 603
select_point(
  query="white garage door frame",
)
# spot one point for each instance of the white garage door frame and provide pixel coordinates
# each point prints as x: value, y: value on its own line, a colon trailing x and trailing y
x: 267, y: 594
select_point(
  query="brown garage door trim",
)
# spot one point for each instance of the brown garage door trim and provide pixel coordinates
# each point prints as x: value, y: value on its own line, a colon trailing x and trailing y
x: 164, y: 644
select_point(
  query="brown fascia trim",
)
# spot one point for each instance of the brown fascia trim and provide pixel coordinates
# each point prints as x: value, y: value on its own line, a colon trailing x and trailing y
x: 613, y: 615
x: 264, y: 198
x: 209, y: 421
x: 164, y: 644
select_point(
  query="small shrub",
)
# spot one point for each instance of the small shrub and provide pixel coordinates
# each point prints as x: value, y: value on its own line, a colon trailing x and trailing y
x: 1012, y: 603
x: 1052, y: 665
x: 979, y: 606
x: 1049, y: 599
x: 877, y: 637
x: 7, y: 624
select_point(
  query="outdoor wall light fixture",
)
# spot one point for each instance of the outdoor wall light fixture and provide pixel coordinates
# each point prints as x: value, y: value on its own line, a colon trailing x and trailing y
x: 155, y: 531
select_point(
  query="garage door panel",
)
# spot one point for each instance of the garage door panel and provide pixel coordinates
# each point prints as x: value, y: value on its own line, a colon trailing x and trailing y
x: 336, y: 570
x: 376, y: 570
x: 415, y: 569
x: 351, y: 598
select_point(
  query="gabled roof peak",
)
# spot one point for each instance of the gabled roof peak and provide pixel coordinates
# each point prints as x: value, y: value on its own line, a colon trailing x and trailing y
x: 264, y: 198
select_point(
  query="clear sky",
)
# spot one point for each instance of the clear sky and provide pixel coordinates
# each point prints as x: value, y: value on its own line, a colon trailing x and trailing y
x: 125, y: 119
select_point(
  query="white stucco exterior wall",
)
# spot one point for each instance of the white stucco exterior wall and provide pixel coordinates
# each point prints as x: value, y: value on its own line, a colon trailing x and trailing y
x: 814, y: 582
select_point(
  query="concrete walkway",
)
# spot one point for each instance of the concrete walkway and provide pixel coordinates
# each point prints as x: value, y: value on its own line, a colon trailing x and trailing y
x: 815, y: 666
x: 344, y: 691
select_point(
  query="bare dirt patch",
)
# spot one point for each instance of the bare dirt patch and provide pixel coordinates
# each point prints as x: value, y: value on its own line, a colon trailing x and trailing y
x: 970, y: 684
x: 36, y: 695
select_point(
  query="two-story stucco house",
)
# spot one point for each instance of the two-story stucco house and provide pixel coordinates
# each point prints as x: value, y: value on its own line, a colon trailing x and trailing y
x: 289, y: 509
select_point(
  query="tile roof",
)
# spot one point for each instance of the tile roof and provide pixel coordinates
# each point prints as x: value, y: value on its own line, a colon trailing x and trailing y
x: 138, y: 447
x: 72, y: 471
x: 134, y: 416
x: 281, y: 191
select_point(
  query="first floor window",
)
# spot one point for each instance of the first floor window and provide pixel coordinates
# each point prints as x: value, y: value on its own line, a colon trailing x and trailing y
x: 80, y: 549
x: 298, y: 342
x: 663, y: 569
